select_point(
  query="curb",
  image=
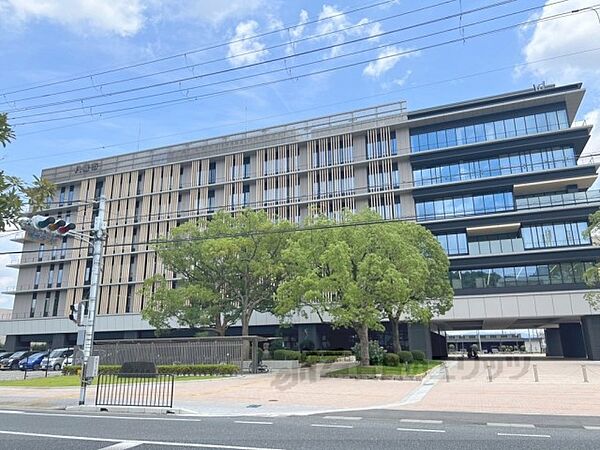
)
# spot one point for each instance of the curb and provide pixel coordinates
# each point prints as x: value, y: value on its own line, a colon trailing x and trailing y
x: 130, y: 410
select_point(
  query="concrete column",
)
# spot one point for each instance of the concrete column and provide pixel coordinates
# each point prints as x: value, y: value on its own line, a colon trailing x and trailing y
x: 571, y: 338
x: 419, y: 338
x: 553, y: 344
x: 591, y: 336
x: 59, y: 341
x: 11, y: 344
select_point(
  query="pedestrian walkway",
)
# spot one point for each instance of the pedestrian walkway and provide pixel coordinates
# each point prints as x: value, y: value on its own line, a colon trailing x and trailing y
x: 560, y: 388
x: 465, y: 387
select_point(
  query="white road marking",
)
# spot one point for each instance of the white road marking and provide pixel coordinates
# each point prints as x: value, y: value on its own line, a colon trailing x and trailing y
x: 159, y: 443
x: 97, y: 416
x: 325, y: 425
x: 510, y: 425
x: 253, y: 422
x: 591, y: 428
x: 525, y: 435
x: 122, y: 445
x: 420, y: 421
x: 342, y: 418
x: 421, y: 430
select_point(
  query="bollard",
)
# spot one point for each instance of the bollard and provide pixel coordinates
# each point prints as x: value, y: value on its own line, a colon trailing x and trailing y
x: 489, y: 371
x: 447, y: 373
x: 536, y: 378
x: 585, y: 376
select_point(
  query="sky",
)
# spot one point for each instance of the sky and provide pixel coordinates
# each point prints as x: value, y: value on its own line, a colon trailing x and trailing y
x: 82, y: 79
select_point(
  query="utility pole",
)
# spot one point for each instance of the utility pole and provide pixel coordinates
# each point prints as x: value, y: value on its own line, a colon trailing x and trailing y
x: 88, y: 343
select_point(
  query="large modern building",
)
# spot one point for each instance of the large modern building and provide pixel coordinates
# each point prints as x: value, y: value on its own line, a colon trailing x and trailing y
x: 499, y: 180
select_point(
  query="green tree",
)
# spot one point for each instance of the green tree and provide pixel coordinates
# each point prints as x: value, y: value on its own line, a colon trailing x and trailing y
x: 14, y: 192
x: 228, y: 268
x: 422, y: 288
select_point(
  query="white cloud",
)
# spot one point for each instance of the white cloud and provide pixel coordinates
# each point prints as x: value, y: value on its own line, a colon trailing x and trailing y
x: 561, y: 36
x: 242, y: 48
x: 337, y: 25
x: 388, y: 57
x: 402, y: 81
x: 296, y: 32
x: 122, y: 17
x: 593, y: 145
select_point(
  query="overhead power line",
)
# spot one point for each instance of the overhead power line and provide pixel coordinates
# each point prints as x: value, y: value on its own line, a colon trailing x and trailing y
x: 181, y: 89
x: 319, y: 72
x: 199, y: 50
x: 99, y: 86
x: 387, y: 93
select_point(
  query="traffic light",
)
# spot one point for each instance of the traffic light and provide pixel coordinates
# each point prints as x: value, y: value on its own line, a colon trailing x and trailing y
x: 77, y: 313
x: 47, y: 224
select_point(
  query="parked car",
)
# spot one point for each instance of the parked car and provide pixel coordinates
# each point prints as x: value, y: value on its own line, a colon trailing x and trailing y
x: 12, y: 362
x: 5, y: 355
x: 55, y: 359
x: 32, y: 362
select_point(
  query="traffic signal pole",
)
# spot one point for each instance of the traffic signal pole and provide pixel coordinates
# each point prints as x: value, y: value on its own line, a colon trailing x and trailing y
x: 88, y: 343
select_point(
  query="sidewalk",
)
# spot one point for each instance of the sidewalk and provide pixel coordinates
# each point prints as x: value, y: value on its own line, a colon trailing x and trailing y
x: 559, y: 391
x: 513, y: 389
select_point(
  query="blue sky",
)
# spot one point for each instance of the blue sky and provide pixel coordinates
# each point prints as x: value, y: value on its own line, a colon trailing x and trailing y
x: 53, y: 40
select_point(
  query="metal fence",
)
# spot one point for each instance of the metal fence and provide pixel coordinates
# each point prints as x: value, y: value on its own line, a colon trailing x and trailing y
x: 214, y: 350
x: 154, y: 390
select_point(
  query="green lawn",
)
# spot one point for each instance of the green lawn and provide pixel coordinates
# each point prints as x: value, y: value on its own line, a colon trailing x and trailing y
x: 73, y: 380
x: 413, y: 369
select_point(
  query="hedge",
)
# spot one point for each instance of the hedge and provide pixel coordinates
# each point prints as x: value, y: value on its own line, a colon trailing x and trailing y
x: 285, y: 355
x: 179, y: 369
x: 391, y: 359
x: 315, y: 359
x: 405, y: 357
x: 338, y: 353
x: 418, y: 355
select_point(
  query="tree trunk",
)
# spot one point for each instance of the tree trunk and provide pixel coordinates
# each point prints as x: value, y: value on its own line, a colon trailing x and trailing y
x: 395, y: 334
x: 363, y: 339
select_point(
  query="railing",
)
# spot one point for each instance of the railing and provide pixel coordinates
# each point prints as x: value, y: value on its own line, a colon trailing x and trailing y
x: 148, y: 390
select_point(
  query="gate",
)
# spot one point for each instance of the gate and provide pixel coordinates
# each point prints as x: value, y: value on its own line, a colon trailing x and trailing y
x: 151, y: 390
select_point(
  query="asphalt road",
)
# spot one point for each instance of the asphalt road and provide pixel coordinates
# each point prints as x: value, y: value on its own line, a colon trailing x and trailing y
x: 376, y: 429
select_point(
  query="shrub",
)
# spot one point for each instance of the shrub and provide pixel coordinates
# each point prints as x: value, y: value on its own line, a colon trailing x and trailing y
x: 285, y: 355
x: 451, y: 347
x: 337, y: 353
x: 391, y: 359
x: 418, y: 355
x: 138, y: 367
x: 405, y: 357
x: 503, y: 348
x: 314, y: 359
x: 175, y: 369
x: 522, y: 348
x: 376, y: 353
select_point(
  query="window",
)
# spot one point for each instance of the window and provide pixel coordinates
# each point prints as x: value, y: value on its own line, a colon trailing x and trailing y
x: 51, y: 275
x: 41, y: 252
x: 212, y: 173
x: 543, y: 274
x: 555, y: 235
x: 55, y: 305
x: 36, y: 279
x: 246, y: 170
x: 71, y: 194
x: 46, y: 304
x: 61, y: 198
x: 33, y: 305
x: 211, y: 201
x: 487, y: 131
x: 512, y: 163
x: 59, y: 275
x: 464, y: 206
